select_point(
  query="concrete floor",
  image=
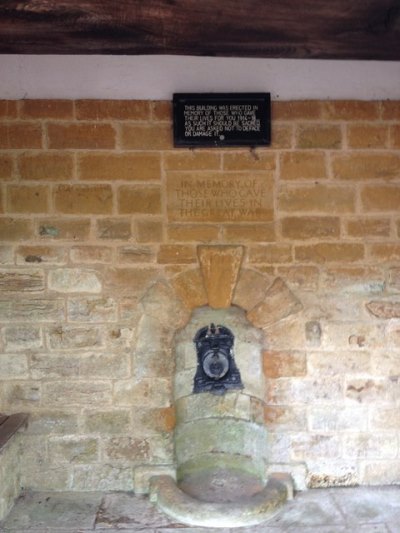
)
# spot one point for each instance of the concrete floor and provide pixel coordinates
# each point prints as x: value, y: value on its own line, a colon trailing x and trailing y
x: 340, y: 510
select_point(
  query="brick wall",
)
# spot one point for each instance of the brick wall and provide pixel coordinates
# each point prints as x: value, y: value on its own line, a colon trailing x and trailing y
x: 89, y: 220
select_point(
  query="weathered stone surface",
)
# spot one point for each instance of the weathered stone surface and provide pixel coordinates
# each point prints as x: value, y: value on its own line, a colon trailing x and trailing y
x: 111, y: 422
x: 154, y: 392
x: 52, y: 423
x: 384, y: 309
x: 32, y: 310
x: 20, y: 394
x: 369, y: 390
x: 143, y: 475
x: 13, y: 366
x: 77, y: 393
x: 161, y: 302
x: 67, y: 337
x: 284, y: 364
x: 250, y: 289
x: 105, y: 365
x: 74, y: 280
x: 102, y: 477
x: 189, y: 287
x: 22, y: 280
x: 201, y: 406
x: 279, y: 303
x: 220, y: 268
x: 338, y: 418
x: 370, y: 446
x: 21, y: 338
x: 333, y: 363
x: 73, y: 450
x: 49, y: 366
x: 92, y: 309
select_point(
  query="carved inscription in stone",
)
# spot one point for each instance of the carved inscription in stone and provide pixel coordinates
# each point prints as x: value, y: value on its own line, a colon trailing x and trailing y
x: 219, y: 198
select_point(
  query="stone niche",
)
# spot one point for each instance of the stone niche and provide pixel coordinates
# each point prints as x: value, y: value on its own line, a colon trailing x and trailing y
x: 219, y: 434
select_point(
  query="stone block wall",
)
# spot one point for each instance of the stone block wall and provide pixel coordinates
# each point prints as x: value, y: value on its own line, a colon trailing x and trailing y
x: 96, y: 207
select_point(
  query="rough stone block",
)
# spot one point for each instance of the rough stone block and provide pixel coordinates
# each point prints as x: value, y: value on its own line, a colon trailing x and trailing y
x: 28, y: 199
x: 32, y: 310
x: 139, y: 200
x: 73, y: 337
x: 319, y: 198
x: 106, y: 477
x: 154, y: 392
x: 13, y: 366
x: 81, y: 136
x: 53, y: 255
x: 17, y: 135
x: 91, y: 254
x: 114, y: 228
x: 92, y: 309
x: 61, y: 109
x: 189, y: 287
x: 250, y: 288
x: 21, y: 280
x: 83, y: 199
x: 134, y: 166
x: 66, y: 229
x: 220, y: 269
x: 22, y: 338
x: 46, y: 166
x: 284, y: 364
x: 74, y: 280
x: 324, y: 136
x: 73, y: 450
x: 112, y: 109
x: 77, y: 393
x: 279, y: 303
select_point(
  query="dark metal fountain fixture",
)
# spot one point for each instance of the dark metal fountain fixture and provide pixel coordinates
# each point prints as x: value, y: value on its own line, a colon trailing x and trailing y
x: 216, y: 368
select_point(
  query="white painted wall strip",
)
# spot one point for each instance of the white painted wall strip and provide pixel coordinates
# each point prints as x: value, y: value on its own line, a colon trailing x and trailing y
x: 158, y: 77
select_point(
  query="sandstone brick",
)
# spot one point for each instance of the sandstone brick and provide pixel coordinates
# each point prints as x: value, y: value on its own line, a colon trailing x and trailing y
x: 73, y: 337
x: 104, y: 365
x: 76, y: 229
x: 368, y: 227
x: 385, y: 252
x: 239, y: 233
x: 384, y: 309
x: 27, y: 199
x: 281, y: 136
x: 6, y: 255
x: 338, y: 418
x: 127, y: 166
x: 74, y: 280
x: 52, y: 423
x: 319, y: 136
x: 8, y: 108
x: 350, y: 110
x: 77, y: 393
x: 32, y: 310
x: 356, y: 166
x: 132, y: 280
x: 112, y: 109
x: 249, y: 160
x: 330, y: 252
x: 16, y: 135
x: 250, y: 288
x: 15, y: 229
x: 284, y: 364
x: 190, y: 289
x: 21, y: 280
x: 92, y: 309
x: 192, y: 160
x: 83, y: 199
x: 20, y: 394
x: 317, y: 198
x: 161, y: 110
x: 322, y: 364
x: 6, y: 167
x: 394, y: 277
x: 134, y: 450
x: 395, y: 136
x: 136, y: 254
x: 192, y: 233
x: 377, y: 472
x: 368, y: 390
x: 102, y: 423
x: 154, y: 392
x: 50, y: 367
x: 303, y: 165
x: 220, y: 268
x: 147, y: 230
x: 73, y: 450
x: 46, y: 166
x: 380, y: 198
x: 146, y: 137
x: 2, y: 200
x: 367, y: 136
x: 307, y: 446
x: 270, y: 254
x: 158, y: 420
x: 14, y: 366
x: 300, y: 277
x: 143, y: 200
x: 91, y: 254
x: 353, y: 279
x: 285, y: 418
x: 296, y: 109
x: 114, y: 228
x: 159, y: 304
x: 105, y: 477
x: 81, y: 136
x: 310, y: 227
x: 62, y: 109
x: 22, y: 338
x: 176, y: 253
x: 391, y: 109
x: 279, y: 302
x: 40, y: 254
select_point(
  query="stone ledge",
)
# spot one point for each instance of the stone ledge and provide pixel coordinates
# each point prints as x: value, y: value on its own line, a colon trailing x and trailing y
x: 262, y: 506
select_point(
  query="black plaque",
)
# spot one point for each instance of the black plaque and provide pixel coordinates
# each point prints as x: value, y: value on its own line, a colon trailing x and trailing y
x: 222, y: 119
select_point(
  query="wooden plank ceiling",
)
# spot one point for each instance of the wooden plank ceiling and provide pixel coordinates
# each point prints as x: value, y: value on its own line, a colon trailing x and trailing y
x: 323, y: 29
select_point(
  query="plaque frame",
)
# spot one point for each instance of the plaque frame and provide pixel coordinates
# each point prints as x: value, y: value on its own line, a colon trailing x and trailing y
x: 224, y: 138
